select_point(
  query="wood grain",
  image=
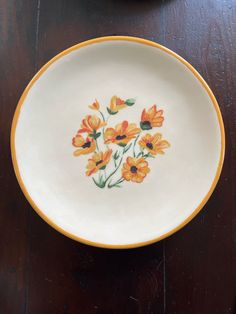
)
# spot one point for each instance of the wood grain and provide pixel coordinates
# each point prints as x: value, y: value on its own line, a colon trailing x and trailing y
x: 194, y: 271
x: 200, y: 259
x: 17, y: 62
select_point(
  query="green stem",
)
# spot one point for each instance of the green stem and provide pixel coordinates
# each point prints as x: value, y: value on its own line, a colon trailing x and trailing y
x: 135, y: 145
x: 100, y: 185
x: 148, y: 155
x: 103, y: 129
x: 105, y: 173
x: 114, y: 158
x: 97, y: 145
x: 103, y: 118
x: 140, y: 154
x: 113, y: 172
x: 116, y: 183
x: 117, y: 167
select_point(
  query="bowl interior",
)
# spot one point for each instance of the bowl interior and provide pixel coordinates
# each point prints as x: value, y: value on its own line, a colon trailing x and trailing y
x: 51, y: 114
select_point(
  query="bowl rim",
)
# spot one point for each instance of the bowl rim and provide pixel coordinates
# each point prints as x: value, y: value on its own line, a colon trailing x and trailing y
x: 74, y: 48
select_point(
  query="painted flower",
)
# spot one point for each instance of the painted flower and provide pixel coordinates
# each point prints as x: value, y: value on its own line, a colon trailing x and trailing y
x: 116, y: 104
x: 125, y: 134
x: 98, y: 161
x: 121, y: 134
x: 91, y: 124
x: 95, y: 105
x: 151, y: 118
x: 84, y: 146
x: 135, y: 169
x: 154, y: 143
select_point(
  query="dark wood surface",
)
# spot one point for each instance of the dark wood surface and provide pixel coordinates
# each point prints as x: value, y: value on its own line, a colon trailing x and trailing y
x: 193, y: 271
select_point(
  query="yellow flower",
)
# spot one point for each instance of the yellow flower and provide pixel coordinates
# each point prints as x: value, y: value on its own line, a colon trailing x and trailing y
x: 154, y: 143
x: 91, y: 124
x: 116, y: 104
x: 98, y: 161
x: 122, y: 134
x: 151, y: 118
x: 135, y: 169
x: 84, y: 146
x: 95, y: 105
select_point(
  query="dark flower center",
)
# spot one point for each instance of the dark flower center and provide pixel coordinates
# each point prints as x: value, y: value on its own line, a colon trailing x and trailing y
x: 146, y: 123
x: 133, y: 169
x: 86, y: 145
x: 149, y: 145
x: 99, y: 162
x: 120, y: 137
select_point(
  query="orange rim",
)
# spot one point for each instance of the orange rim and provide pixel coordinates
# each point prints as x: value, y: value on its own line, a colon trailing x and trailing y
x: 76, y: 47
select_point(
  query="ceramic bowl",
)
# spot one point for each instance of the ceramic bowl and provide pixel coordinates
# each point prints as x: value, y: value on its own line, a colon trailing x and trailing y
x: 117, y: 142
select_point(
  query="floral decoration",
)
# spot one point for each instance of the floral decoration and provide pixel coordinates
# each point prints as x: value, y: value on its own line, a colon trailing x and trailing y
x: 119, y: 154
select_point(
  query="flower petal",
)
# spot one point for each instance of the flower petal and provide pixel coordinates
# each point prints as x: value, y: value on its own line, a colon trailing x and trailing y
x: 95, y: 105
x: 78, y: 141
x: 107, y: 155
x: 156, y: 138
x: 137, y: 179
x: 127, y: 175
x: 131, y: 161
x: 159, y: 113
x: 124, y: 126
x: 109, y: 135
x: 143, y: 116
x: 152, y: 111
x: 78, y: 152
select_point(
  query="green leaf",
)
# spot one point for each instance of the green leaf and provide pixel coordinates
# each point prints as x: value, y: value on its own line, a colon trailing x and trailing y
x: 100, y: 185
x: 120, y: 181
x: 111, y: 112
x: 127, y: 148
x: 139, y: 154
x: 104, y: 167
x: 122, y: 144
x: 145, y: 126
x: 100, y: 177
x: 148, y: 155
x: 95, y: 135
x: 130, y: 102
x: 116, y: 155
x: 117, y: 185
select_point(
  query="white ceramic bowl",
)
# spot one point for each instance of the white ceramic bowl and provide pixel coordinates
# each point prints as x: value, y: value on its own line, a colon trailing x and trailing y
x: 171, y: 187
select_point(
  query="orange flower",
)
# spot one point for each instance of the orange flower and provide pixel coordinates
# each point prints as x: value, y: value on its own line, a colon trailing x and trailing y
x: 151, y: 118
x: 135, y: 169
x: 98, y: 161
x: 84, y: 146
x: 95, y: 105
x: 116, y: 104
x: 91, y: 124
x: 154, y: 143
x: 122, y: 134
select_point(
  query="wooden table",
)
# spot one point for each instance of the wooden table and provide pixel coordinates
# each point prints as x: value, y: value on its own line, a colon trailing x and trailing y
x: 193, y: 271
